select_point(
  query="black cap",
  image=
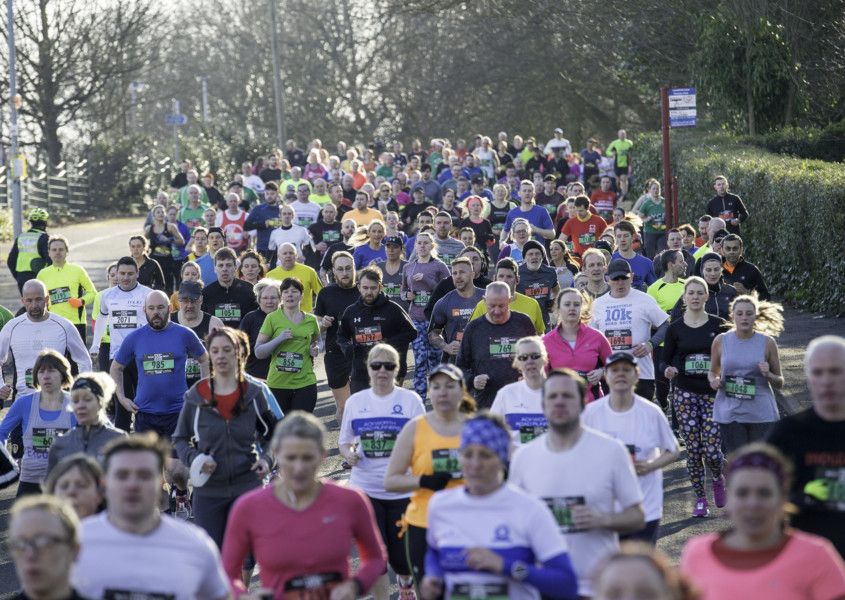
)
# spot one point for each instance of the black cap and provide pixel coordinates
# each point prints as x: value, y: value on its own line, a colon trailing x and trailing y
x: 450, y: 371
x: 550, y: 177
x: 721, y: 234
x: 477, y: 178
x: 603, y: 245
x: 618, y: 269
x: 190, y: 289
x: 621, y: 356
x: 392, y: 240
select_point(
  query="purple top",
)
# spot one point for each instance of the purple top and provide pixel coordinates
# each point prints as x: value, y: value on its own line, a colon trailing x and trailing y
x: 433, y: 271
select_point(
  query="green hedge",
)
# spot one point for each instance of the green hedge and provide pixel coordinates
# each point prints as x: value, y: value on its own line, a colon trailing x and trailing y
x: 822, y: 144
x: 796, y: 229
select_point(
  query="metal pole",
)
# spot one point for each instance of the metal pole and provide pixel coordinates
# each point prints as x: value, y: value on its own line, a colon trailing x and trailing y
x: 667, y: 169
x: 204, y: 80
x: 278, y: 90
x: 133, y: 99
x: 17, y: 165
x: 176, y: 111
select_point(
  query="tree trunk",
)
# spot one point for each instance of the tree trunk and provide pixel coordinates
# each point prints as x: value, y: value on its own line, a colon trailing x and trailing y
x: 749, y: 87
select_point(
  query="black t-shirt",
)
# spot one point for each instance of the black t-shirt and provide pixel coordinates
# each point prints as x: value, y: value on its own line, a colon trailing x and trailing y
x: 538, y: 285
x: 251, y: 325
x: 817, y: 450
x: 411, y: 212
x: 231, y: 304
x: 326, y: 263
x: 179, y: 181
x: 269, y: 174
x: 295, y: 157
x: 550, y: 202
x: 688, y: 350
x: 483, y: 232
x: 498, y: 216
x: 332, y: 300
x: 201, y: 330
x: 322, y: 232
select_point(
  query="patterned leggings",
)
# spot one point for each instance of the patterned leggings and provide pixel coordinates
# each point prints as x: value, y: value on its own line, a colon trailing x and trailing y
x: 426, y: 357
x: 701, y: 435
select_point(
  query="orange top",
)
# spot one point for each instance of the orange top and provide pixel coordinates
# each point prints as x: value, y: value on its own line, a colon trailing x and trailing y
x: 433, y: 453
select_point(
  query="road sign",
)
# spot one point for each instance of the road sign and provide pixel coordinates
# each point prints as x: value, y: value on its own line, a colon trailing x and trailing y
x: 176, y: 120
x: 682, y: 110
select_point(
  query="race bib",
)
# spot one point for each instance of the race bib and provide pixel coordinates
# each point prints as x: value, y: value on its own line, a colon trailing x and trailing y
x: 480, y: 591
x: 161, y: 363
x: 27, y: 377
x: 330, y: 235
x: 620, y: 339
x: 421, y: 298
x: 124, y: 319
x: 289, y: 362
x: 740, y: 388
x: 161, y: 251
x: 192, y: 368
x: 445, y: 460
x: 502, y: 348
x: 551, y: 208
x: 317, y: 586
x: 368, y: 335
x: 587, y: 239
x: 727, y: 215
x: 446, y: 258
x: 392, y: 290
x: 528, y: 432
x: 378, y: 443
x: 59, y: 295
x: 541, y: 291
x: 228, y: 312
x: 111, y: 594
x: 43, y: 438
x: 697, y: 364
x: 561, y: 508
x: 827, y: 489
x: 305, y: 221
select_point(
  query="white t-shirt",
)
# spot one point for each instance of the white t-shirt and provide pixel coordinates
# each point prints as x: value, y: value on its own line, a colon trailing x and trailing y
x: 645, y: 431
x: 628, y: 321
x: 255, y: 183
x: 373, y: 422
x: 522, y: 409
x: 596, y: 471
x: 508, y: 520
x: 307, y: 213
x: 296, y: 235
x: 125, y: 310
x: 177, y: 560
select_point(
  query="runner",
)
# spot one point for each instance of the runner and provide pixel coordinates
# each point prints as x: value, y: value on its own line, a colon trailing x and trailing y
x: 537, y: 279
x: 600, y: 499
x: 447, y: 247
x: 43, y: 416
x: 584, y: 229
x: 515, y: 551
x: 201, y: 323
x: 347, y: 229
x: 324, y: 233
x: 228, y: 298
x: 575, y: 345
x: 508, y: 273
x: 595, y: 268
x: 485, y: 236
x: 288, y: 232
x: 68, y: 285
x: 307, y: 211
x: 419, y: 278
x: 452, y: 312
x: 368, y: 244
x: 812, y: 440
x: 89, y: 395
x: 537, y: 216
x: 288, y: 267
x: 521, y: 234
x: 263, y: 219
x: 159, y: 351
x: 744, y: 365
x: 29, y: 253
x: 652, y: 211
x: 738, y: 272
x: 361, y: 212
x: 604, y: 199
x: 686, y: 359
x: 232, y: 221
x: 370, y: 320
x: 139, y: 545
x: 479, y: 270
x: 720, y: 295
x: 620, y: 150
x: 425, y: 457
x: 289, y: 337
x: 251, y: 267
x: 638, y: 570
x: 392, y: 269
x: 165, y: 240
x: 641, y: 267
x: 149, y: 271
x: 727, y: 206
x: 269, y: 296
x: 301, y: 528
x: 643, y: 429
x: 667, y: 290
x: 489, y: 345
x: 550, y: 198
x: 105, y: 343
x: 78, y: 479
x: 222, y: 426
x: 371, y: 423
x: 216, y: 242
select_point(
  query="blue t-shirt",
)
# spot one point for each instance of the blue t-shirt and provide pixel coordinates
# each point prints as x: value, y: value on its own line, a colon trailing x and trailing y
x: 206, y: 264
x: 160, y: 357
x: 19, y: 415
x: 537, y: 216
x: 642, y: 268
x: 364, y: 255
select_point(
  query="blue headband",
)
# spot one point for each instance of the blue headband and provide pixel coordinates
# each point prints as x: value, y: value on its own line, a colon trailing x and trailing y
x: 488, y: 434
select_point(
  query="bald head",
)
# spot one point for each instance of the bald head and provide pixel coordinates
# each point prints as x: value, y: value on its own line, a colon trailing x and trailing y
x: 34, y: 286
x: 715, y: 224
x: 34, y: 300
x: 824, y: 365
x: 157, y: 309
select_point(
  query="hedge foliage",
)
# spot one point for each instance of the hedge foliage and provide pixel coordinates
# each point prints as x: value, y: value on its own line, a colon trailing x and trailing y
x: 796, y: 229
x: 806, y: 142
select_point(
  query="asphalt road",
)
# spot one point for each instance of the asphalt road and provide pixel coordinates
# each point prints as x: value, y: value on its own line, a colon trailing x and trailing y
x: 95, y: 245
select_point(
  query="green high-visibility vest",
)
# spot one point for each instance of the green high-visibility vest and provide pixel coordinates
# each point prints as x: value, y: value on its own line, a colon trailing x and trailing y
x: 28, y: 249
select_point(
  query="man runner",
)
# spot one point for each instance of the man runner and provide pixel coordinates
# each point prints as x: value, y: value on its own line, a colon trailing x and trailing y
x: 452, y: 312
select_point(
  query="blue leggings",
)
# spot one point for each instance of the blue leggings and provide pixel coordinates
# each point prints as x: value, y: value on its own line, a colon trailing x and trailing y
x: 426, y: 357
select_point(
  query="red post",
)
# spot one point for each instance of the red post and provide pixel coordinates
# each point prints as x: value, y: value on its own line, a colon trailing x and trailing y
x: 676, y: 216
x: 667, y: 170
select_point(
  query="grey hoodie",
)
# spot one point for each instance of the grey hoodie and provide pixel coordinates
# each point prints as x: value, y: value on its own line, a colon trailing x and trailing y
x: 78, y: 439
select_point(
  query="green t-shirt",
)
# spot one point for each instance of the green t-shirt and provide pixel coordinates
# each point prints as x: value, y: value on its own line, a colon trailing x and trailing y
x: 656, y: 210
x: 291, y: 367
x: 5, y: 316
x: 622, y: 147
x: 192, y: 217
x: 321, y: 200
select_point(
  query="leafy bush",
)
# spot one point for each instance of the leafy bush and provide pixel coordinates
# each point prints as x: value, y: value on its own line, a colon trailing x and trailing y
x: 822, y: 144
x: 5, y: 225
x: 794, y: 233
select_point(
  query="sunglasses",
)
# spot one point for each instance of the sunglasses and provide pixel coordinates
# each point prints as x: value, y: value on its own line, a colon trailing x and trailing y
x: 378, y: 366
x: 532, y: 356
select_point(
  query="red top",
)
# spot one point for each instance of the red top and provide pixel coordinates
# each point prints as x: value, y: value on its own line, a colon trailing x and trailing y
x: 225, y: 402
x: 584, y: 233
x: 590, y: 351
x: 296, y: 546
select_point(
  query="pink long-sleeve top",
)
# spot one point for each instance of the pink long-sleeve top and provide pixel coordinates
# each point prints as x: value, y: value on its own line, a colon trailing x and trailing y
x: 298, y: 545
x: 590, y: 351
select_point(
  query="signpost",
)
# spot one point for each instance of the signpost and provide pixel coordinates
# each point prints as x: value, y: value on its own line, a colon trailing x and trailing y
x: 176, y: 120
x: 682, y: 111
x: 677, y: 109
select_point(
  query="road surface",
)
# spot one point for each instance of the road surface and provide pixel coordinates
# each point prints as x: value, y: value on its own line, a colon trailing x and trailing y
x: 97, y: 244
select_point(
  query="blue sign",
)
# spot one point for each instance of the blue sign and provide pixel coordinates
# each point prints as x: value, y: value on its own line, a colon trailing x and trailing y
x: 682, y: 110
x: 176, y: 120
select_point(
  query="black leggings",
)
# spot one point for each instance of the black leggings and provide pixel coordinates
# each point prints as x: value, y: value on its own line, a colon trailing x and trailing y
x: 122, y: 417
x: 170, y: 269
x: 388, y: 513
x: 28, y: 489
x: 415, y: 549
x: 299, y: 399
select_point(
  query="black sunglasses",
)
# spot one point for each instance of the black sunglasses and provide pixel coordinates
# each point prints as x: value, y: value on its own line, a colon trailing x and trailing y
x: 532, y: 356
x: 377, y: 366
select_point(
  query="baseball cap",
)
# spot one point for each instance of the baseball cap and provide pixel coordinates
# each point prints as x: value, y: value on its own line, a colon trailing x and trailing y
x: 603, y: 245
x: 392, y: 239
x: 720, y: 235
x: 550, y: 177
x: 450, y: 371
x: 477, y: 178
x: 558, y: 130
x: 190, y: 289
x: 618, y: 269
x: 621, y: 356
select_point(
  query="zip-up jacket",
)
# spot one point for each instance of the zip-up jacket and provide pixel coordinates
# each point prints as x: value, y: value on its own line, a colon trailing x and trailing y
x: 90, y: 441
x: 718, y: 303
x: 257, y: 221
x: 234, y: 445
x: 748, y: 275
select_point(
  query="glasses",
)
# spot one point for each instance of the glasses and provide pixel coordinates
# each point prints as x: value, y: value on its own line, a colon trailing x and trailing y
x: 36, y: 544
x: 378, y: 366
x: 532, y: 356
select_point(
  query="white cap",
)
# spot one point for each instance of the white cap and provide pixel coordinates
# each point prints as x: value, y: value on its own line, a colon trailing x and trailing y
x: 558, y: 130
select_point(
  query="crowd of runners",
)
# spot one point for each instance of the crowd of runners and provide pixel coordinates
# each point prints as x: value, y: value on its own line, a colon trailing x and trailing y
x: 567, y: 345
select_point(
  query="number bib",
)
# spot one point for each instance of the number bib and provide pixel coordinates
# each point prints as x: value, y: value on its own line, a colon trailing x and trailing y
x: 620, y: 339
x: 59, y: 295
x: 27, y: 377
x: 368, y: 335
x: 528, y: 432
x: 378, y: 443
x: 305, y: 221
x: 587, y: 239
x: 828, y: 489
x: 480, y: 591
x: 447, y: 259
x: 540, y: 291
x: 228, y: 312
x: 43, y: 438
x: 740, y: 388
x: 161, y: 363
x: 445, y: 460
x: 392, y: 290
x: 502, y: 348
x: 697, y: 364
x: 562, y: 510
x: 330, y: 236
x: 289, y: 362
x: 124, y: 319
x: 110, y: 594
x: 192, y: 368
x: 317, y: 586
x: 421, y: 298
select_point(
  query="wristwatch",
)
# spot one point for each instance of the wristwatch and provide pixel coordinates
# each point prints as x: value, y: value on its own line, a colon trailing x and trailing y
x: 519, y: 570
